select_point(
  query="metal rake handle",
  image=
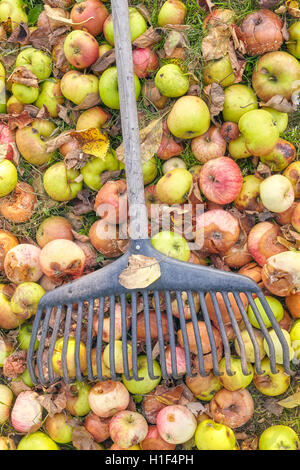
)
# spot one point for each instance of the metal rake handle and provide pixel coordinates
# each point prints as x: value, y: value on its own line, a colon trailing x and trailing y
x: 129, y: 118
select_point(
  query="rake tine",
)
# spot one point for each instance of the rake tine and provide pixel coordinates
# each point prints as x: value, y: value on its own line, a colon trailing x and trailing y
x: 89, y: 341
x: 148, y: 336
x: 124, y: 336
x: 265, y: 333
x: 184, y: 333
x: 237, y: 332
x: 78, y: 343
x: 210, y: 334
x: 285, y: 348
x: 53, y: 342
x: 194, y: 318
x: 134, y: 336
x: 112, y: 363
x: 65, y: 344
x: 99, y: 338
x: 42, y: 343
x: 171, y: 334
x: 249, y: 328
x: 223, y: 334
x: 160, y: 335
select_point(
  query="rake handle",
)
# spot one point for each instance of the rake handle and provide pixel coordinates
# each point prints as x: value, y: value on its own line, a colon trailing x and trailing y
x: 129, y: 119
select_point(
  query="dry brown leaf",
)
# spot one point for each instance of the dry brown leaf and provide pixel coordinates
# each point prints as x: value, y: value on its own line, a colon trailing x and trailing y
x: 89, y: 101
x: 290, y: 402
x: 150, y: 140
x: 215, y: 44
x: 53, y: 403
x: 216, y: 98
x: 76, y: 159
x: 83, y: 440
x: 251, y: 443
x: 196, y: 407
x: 144, y: 11
x: 105, y: 61
x: 280, y: 103
x: 18, y: 386
x: 80, y: 237
x: 17, y: 120
x: 175, y: 39
x: 15, y: 364
x: 20, y: 34
x: 293, y: 8
x: 149, y: 38
x: 56, y: 142
x: 142, y: 271
x: 24, y: 76
x: 268, y: 3
x: 109, y: 176
x: 238, y: 64
x: 206, y: 4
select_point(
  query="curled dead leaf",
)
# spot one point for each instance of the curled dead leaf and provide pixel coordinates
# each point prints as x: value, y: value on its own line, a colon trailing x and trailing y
x: 290, y: 402
x: 142, y: 271
x: 24, y: 76
x: 91, y: 100
x: 293, y: 8
x: 20, y: 34
x: 149, y: 38
x: 56, y: 142
x: 105, y: 61
x: 92, y: 141
x: 215, y: 44
x: 216, y: 98
x: 76, y: 159
x: 83, y: 440
x: 281, y: 104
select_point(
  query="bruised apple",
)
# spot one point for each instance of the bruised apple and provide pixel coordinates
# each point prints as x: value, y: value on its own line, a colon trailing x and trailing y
x: 7, y: 137
x: 263, y: 243
x: 292, y: 172
x: 25, y: 299
x: 176, y: 424
x: 62, y: 259
x: 31, y: 141
x: 58, y: 428
x: 105, y: 237
x: 128, y: 428
x: 20, y: 205
x: 89, y: 15
x: 8, y: 320
x: 214, y: 436
x: 145, y: 61
x: 204, y: 388
x: 281, y: 274
x: 97, y: 427
x: 94, y: 117
x: 249, y: 196
x: 281, y: 156
x: 174, y: 186
x: 271, y: 384
x: 81, y: 49
x: 232, y: 408
x: 108, y: 398
x: 209, y: 145
x: 22, y: 264
x: 76, y: 86
x: 7, y: 241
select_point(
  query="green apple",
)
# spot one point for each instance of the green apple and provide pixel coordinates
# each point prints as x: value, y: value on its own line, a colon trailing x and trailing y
x: 94, y: 117
x: 50, y: 96
x: 249, y: 197
x: 171, y: 81
x: 2, y: 89
x: 276, y: 73
x: 278, y: 346
x: 141, y: 387
x: 281, y: 156
x: 214, y: 436
x: 174, y: 186
x: 260, y: 132
x: 26, y: 378
x: 277, y: 193
x: 295, y: 339
x: 274, y: 305
x: 24, y: 336
x: 78, y: 399
x: 238, y: 380
x: 293, y: 43
x: 137, y: 22
x: 37, y: 441
x: 237, y: 148
x: 219, y: 71
x: 76, y: 86
x: 6, y: 349
x: 31, y: 141
x: 150, y: 171
x: 14, y: 9
x: 8, y: 177
x: 172, y: 12
x: 70, y: 357
x: 58, y: 428
x: 118, y: 356
x: 239, y: 99
x: 25, y: 94
x: 271, y: 384
x: 249, y: 347
x: 109, y: 88
x: 172, y: 163
x: 189, y: 117
x: 171, y: 244
x: 279, y: 437
x: 93, y: 169
x: 35, y: 60
x: 6, y: 399
x: 281, y: 119
x: 14, y: 106
x: 25, y: 299
x: 60, y: 183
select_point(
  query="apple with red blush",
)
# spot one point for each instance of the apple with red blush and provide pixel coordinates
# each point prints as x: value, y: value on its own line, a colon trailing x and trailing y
x: 111, y: 202
x: 145, y: 61
x: 81, y: 49
x: 91, y: 14
x: 209, y: 145
x: 7, y: 138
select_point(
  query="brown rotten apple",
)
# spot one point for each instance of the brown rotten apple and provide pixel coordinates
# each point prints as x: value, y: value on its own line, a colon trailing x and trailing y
x: 111, y: 202
x: 22, y: 264
x: 292, y: 172
x: 62, y: 259
x: 216, y: 231
x: 31, y: 141
x: 221, y: 180
x: 209, y: 145
x: 81, y: 49
x: 105, y: 237
x: 91, y: 14
x: 263, y: 243
x: 19, y: 205
x: 232, y: 408
x: 7, y: 138
x: 281, y: 273
x: 222, y: 306
x: 261, y: 32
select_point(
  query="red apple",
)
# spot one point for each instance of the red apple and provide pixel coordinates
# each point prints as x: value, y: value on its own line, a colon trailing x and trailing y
x: 209, y: 145
x: 81, y: 49
x: 92, y: 10
x: 145, y: 61
x: 111, y: 202
x: 128, y: 428
x: 153, y: 441
x: 221, y: 180
x: 262, y: 242
x: 7, y: 137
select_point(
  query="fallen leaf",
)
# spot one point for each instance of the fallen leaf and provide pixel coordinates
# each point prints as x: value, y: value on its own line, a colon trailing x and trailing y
x: 263, y: 170
x: 215, y: 44
x: 20, y: 34
x: 105, y: 61
x: 53, y: 403
x: 290, y: 402
x: 83, y: 440
x: 196, y: 407
x: 268, y: 3
x: 293, y: 8
x: 92, y: 141
x: 54, y: 15
x: 206, y: 4
x: 91, y: 100
x: 149, y: 38
x: 216, y: 98
x: 251, y: 443
x: 238, y: 65
x: 280, y: 103
x: 76, y: 159
x: 56, y: 142
x: 150, y: 140
x: 175, y: 39
x: 109, y: 176
x: 144, y: 11
x: 80, y: 237
x: 272, y: 406
x: 18, y: 386
x: 24, y: 76
x: 142, y: 271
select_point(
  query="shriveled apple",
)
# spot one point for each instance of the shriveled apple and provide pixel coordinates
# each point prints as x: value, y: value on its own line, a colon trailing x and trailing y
x: 20, y: 205
x: 281, y: 274
x: 22, y: 264
x: 62, y: 259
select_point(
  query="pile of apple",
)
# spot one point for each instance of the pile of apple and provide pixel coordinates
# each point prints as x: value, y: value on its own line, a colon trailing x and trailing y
x: 249, y: 223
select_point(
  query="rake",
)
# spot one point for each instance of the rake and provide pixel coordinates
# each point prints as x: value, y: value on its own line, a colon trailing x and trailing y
x: 91, y: 294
